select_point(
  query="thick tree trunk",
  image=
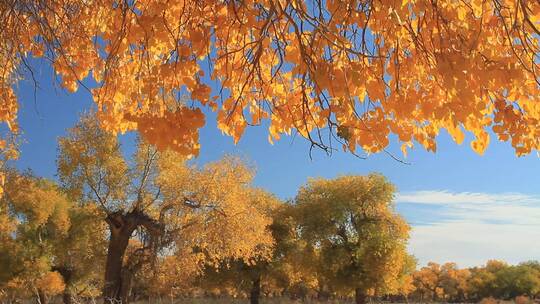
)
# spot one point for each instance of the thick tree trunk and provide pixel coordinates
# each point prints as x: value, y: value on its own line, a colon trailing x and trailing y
x: 359, y: 296
x: 121, y: 227
x: 255, y: 293
x: 121, y: 232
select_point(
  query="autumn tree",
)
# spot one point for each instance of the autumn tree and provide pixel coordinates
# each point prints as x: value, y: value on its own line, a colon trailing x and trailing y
x: 495, y: 280
x: 80, y: 255
x: 156, y: 198
x: 519, y: 280
x: 38, y: 216
x: 500, y: 280
x: 247, y: 276
x: 187, y: 271
x: 483, y: 281
x: 51, y: 245
x: 361, y: 239
x: 295, y: 263
x: 404, y: 285
x: 356, y: 71
x: 427, y: 282
x: 442, y: 282
x: 454, y: 282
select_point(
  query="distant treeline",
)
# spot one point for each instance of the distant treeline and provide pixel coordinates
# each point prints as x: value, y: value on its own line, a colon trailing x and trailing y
x: 446, y: 283
x: 496, y: 279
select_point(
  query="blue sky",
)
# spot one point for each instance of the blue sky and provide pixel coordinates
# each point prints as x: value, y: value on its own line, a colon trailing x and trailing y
x: 463, y: 207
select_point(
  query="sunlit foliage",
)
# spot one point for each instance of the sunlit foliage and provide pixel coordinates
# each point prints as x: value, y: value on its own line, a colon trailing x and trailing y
x: 359, y: 239
x: 37, y: 216
x: 364, y: 69
x: 255, y: 276
x: 198, y: 214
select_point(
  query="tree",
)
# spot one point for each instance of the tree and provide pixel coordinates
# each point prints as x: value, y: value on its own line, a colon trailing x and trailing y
x: 454, y: 282
x: 532, y: 278
x: 48, y: 246
x: 405, y: 284
x: 80, y: 255
x: 500, y: 280
x: 295, y: 261
x: 442, y: 282
x: 38, y: 213
x: 362, y: 69
x: 518, y: 280
x: 361, y: 239
x: 483, y: 282
x: 427, y: 282
x: 241, y: 275
x: 196, y: 213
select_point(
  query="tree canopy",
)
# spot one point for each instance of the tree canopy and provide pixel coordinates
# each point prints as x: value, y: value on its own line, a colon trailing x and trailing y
x: 178, y: 230
x: 496, y: 279
x: 360, y: 69
x: 52, y: 244
x: 164, y: 204
x: 359, y: 240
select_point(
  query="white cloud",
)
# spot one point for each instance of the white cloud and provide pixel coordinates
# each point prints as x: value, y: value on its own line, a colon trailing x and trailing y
x: 470, y: 228
x: 472, y: 244
x: 447, y: 197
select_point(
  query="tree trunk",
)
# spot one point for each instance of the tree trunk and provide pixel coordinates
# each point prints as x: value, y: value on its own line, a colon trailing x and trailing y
x: 42, y: 297
x: 255, y: 291
x: 359, y: 296
x: 67, y: 297
x: 121, y: 227
x: 127, y: 284
x: 121, y: 232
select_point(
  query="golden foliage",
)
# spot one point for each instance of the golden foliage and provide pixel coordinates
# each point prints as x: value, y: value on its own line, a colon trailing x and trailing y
x: 40, y: 202
x: 445, y: 281
x: 37, y: 223
x: 222, y: 215
x: 364, y: 69
x: 489, y: 300
x: 90, y: 157
x: 351, y: 226
x: 198, y: 215
x: 51, y: 283
x: 223, y: 221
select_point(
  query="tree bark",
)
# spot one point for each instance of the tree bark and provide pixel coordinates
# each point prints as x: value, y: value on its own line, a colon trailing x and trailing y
x: 134, y: 263
x: 42, y: 297
x: 255, y: 293
x: 127, y: 284
x: 121, y: 227
x: 121, y: 231
x: 67, y: 297
x: 359, y: 296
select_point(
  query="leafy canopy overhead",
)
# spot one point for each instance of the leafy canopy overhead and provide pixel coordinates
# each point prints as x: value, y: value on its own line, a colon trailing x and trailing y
x: 361, y: 70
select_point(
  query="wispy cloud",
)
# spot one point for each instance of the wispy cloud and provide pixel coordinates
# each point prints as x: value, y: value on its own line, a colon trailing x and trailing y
x: 446, y: 197
x: 470, y: 228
